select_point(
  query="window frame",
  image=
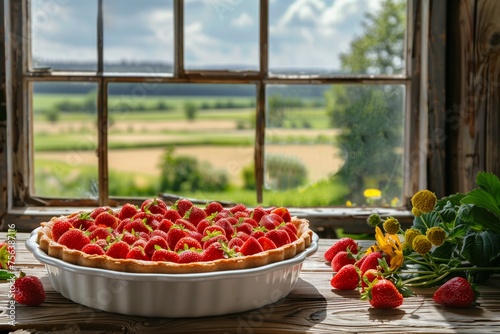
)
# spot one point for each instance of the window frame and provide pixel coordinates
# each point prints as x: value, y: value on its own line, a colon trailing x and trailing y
x: 28, y: 210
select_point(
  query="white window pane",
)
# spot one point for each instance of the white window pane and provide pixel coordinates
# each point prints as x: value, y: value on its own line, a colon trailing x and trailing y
x: 65, y: 139
x: 314, y: 37
x: 325, y: 145
x: 221, y: 35
x: 193, y: 140
x: 64, y: 34
x: 138, y: 36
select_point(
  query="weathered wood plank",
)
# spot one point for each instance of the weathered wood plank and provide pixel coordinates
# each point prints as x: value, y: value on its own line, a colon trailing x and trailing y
x: 487, y: 74
x: 312, y: 306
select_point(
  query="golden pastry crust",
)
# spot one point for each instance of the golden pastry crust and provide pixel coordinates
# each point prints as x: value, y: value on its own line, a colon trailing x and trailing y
x: 54, y: 249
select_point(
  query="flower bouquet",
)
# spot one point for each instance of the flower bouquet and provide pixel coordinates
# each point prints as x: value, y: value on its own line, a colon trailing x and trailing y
x: 453, y: 243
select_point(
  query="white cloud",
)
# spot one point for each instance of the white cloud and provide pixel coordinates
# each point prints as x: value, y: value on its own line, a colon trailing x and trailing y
x: 244, y: 20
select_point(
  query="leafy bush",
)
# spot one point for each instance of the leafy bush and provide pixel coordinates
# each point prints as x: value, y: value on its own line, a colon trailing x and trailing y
x: 284, y: 172
x: 184, y: 173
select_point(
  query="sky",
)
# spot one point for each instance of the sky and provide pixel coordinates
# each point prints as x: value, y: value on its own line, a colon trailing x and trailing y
x: 218, y: 33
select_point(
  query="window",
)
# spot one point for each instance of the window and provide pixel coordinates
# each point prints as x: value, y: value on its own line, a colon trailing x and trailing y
x: 270, y: 102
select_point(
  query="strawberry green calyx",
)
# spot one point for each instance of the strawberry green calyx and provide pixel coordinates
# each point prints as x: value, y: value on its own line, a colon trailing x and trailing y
x: 4, y: 257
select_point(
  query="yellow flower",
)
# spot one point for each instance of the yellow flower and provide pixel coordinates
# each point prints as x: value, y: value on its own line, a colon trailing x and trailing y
x: 390, y: 245
x: 372, y: 193
x: 374, y: 219
x: 436, y: 235
x: 410, y: 234
x: 391, y: 226
x: 416, y: 212
x: 421, y: 244
x: 348, y: 203
x: 424, y: 201
x: 395, y: 201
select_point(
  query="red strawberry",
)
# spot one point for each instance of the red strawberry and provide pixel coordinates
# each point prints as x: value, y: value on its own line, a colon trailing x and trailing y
x: 266, y: 243
x: 241, y: 214
x: 59, y: 227
x: 129, y: 238
x: 128, y: 210
x: 194, y: 215
x: 341, y: 259
x: 237, y: 208
x: 165, y: 225
x: 174, y: 235
x: 165, y: 255
x: 101, y: 233
x: 244, y: 227
x: 370, y: 262
x: 187, y: 243
x: 227, y: 226
x: 186, y: 224
x: 154, y: 205
x: 242, y: 235
x: 347, y: 278
x: 106, y: 219
x: 172, y: 215
x: 195, y: 235
x: 137, y: 253
x: 28, y: 290
x: 213, y: 207
x: 292, y: 235
x: 202, y: 225
x: 82, y: 221
x: 250, y: 221
x: 457, y: 292
x: 93, y: 249
x: 257, y: 213
x: 341, y: 245
x: 74, y: 239
x: 140, y: 242
x: 235, y: 243
x: 97, y: 211
x: 213, y: 234
x: 368, y: 277
x: 250, y: 247
x: 101, y: 243
x: 137, y: 226
x: 153, y: 243
x: 118, y: 250
x: 279, y: 237
x: 189, y: 256
x: 160, y: 233
x: 383, y: 294
x: 283, y: 213
x: 148, y: 218
x: 213, y: 252
x: 258, y: 232
x: 292, y: 227
x: 182, y: 206
x: 271, y: 221
x: 223, y: 214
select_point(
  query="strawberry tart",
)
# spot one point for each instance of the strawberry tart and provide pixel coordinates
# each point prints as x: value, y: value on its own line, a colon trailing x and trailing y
x: 182, y: 238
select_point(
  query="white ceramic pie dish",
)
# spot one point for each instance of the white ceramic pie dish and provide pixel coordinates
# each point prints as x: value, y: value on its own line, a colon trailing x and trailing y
x: 173, y: 295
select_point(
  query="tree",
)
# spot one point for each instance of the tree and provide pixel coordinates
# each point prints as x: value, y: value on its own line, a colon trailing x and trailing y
x: 190, y: 109
x: 370, y: 116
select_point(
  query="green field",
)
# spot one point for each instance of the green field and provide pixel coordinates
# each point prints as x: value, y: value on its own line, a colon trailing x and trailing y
x: 74, y: 133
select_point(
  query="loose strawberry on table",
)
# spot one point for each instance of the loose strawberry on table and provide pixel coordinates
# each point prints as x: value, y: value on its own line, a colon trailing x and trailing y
x: 347, y: 278
x: 382, y: 293
x: 341, y: 245
x: 28, y: 290
x: 457, y: 292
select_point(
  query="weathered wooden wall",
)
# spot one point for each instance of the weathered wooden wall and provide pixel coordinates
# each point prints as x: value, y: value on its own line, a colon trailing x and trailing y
x: 472, y: 92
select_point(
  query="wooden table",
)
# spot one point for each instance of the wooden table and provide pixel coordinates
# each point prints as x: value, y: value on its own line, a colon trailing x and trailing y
x: 312, y: 307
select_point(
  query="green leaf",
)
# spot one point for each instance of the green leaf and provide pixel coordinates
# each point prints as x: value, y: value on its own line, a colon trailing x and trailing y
x: 490, y: 183
x: 426, y: 221
x: 481, y: 248
x: 483, y: 199
x: 5, y: 275
x: 479, y: 219
x: 487, y: 195
x: 448, y: 213
x: 458, y: 231
x: 453, y: 200
x: 445, y: 251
